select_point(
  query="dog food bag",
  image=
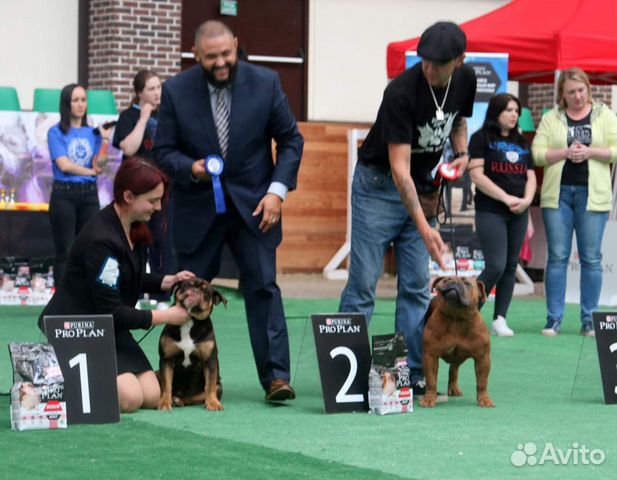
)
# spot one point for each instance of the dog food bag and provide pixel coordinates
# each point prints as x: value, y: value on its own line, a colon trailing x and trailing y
x: 37, y: 395
x: 389, y: 385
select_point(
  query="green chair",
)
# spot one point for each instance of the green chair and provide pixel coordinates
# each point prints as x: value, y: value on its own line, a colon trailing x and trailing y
x: 9, y: 100
x: 46, y: 100
x: 101, y: 102
x: 525, y: 121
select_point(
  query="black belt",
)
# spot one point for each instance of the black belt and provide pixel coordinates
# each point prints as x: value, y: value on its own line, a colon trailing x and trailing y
x: 420, y: 188
x: 84, y: 186
x: 379, y: 168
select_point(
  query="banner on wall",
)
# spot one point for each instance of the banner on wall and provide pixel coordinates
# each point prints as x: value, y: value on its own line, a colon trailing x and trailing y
x: 492, y: 75
x: 25, y: 166
x: 608, y: 295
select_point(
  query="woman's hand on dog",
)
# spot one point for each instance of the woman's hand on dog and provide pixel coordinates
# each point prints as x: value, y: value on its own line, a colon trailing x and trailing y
x: 175, y: 315
x: 170, y: 280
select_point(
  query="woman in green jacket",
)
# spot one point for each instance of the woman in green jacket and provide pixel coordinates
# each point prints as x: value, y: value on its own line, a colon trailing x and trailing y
x: 575, y: 143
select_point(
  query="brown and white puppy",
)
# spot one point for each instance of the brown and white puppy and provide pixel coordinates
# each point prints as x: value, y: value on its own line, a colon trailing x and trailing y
x: 455, y: 332
x: 189, y: 364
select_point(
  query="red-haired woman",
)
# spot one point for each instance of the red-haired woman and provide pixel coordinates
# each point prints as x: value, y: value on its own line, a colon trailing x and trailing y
x: 106, y: 274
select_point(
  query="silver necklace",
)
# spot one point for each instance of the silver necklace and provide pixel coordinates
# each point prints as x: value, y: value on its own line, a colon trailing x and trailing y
x: 439, y: 115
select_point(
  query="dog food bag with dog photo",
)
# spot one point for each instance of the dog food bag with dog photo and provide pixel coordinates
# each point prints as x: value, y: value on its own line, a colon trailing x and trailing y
x: 37, y: 395
x: 389, y: 385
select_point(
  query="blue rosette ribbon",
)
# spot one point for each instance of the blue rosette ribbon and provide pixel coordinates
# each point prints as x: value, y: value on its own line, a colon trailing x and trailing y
x: 214, y: 166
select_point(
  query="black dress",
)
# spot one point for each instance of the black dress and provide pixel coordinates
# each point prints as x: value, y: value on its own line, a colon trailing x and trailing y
x: 103, y: 276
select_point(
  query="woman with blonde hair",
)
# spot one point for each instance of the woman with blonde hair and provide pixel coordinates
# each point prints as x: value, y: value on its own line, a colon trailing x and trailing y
x: 575, y: 143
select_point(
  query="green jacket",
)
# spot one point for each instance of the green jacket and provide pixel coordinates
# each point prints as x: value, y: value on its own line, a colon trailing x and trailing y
x: 552, y: 134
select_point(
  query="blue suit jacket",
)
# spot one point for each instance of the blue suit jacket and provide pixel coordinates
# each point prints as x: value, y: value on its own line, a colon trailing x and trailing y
x: 186, y: 132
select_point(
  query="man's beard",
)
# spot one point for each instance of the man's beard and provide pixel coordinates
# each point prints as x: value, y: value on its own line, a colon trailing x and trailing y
x: 233, y: 69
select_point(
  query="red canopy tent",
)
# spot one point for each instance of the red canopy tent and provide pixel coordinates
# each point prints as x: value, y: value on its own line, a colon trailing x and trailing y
x: 541, y: 36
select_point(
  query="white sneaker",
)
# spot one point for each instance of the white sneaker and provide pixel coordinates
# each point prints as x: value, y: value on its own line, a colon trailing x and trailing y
x: 500, y: 327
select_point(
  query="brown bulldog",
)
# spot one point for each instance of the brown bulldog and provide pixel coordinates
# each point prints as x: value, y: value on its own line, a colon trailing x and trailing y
x: 189, y: 364
x: 455, y: 332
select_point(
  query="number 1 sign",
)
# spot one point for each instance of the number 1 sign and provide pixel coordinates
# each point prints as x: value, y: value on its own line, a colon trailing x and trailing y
x: 86, y: 352
x: 344, y: 358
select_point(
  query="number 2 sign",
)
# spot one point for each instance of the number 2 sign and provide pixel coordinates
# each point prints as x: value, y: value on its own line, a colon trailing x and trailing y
x: 86, y: 352
x: 344, y: 358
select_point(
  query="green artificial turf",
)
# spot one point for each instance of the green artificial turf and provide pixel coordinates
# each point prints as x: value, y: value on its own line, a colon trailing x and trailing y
x: 547, y: 390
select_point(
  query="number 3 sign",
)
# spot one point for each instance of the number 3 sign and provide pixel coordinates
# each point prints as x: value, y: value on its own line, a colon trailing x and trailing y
x: 86, y: 352
x: 605, y: 326
x: 344, y: 357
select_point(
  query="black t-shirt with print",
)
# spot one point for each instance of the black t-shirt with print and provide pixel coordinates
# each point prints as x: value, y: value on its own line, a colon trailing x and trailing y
x: 505, y: 163
x: 578, y: 131
x: 126, y: 123
x: 407, y: 116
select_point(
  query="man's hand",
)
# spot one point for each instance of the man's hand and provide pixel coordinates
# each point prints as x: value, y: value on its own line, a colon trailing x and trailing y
x: 198, y: 169
x: 435, y: 246
x: 460, y: 164
x: 270, y: 208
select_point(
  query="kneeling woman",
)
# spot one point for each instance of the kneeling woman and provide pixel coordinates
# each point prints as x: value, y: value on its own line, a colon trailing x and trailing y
x: 106, y: 272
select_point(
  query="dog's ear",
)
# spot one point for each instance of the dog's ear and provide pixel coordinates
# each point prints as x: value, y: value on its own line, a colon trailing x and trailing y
x: 218, y: 298
x: 436, y: 282
x: 481, y: 293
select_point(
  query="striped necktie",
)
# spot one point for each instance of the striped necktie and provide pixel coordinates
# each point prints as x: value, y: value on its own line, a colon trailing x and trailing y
x: 222, y: 120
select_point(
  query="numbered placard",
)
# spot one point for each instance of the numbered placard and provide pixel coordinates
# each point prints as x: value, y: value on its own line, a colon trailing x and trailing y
x: 86, y: 351
x: 605, y: 325
x: 344, y: 358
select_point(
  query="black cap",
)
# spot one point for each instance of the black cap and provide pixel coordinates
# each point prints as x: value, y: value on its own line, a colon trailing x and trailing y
x: 442, y: 42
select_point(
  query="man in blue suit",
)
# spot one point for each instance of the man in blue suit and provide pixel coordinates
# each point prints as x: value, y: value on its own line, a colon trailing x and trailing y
x: 214, y: 137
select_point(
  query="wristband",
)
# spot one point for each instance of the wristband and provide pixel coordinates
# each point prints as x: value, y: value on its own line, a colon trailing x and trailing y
x: 459, y: 155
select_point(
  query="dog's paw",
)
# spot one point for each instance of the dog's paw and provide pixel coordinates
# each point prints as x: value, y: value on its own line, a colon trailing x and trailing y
x: 428, y: 401
x: 165, y: 404
x: 485, y: 402
x: 177, y: 402
x: 213, y: 405
x: 454, y: 391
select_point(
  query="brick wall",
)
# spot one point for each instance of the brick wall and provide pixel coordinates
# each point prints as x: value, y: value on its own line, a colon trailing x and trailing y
x: 126, y: 36
x: 541, y: 96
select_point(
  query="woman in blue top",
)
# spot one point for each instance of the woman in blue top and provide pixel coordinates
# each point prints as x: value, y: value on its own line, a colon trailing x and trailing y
x: 74, y: 149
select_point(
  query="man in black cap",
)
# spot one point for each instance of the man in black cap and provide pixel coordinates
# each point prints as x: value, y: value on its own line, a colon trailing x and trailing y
x: 394, y: 193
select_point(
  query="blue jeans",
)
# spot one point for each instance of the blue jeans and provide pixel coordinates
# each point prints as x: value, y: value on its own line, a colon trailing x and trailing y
x: 572, y: 216
x: 380, y: 219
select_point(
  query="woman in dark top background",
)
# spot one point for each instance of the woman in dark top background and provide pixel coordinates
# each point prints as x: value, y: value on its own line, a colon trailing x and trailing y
x: 501, y: 167
x: 134, y: 135
x: 106, y: 273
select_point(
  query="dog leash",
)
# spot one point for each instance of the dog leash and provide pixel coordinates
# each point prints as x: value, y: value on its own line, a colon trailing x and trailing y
x: 172, y: 302
x: 146, y: 334
x: 445, y: 185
